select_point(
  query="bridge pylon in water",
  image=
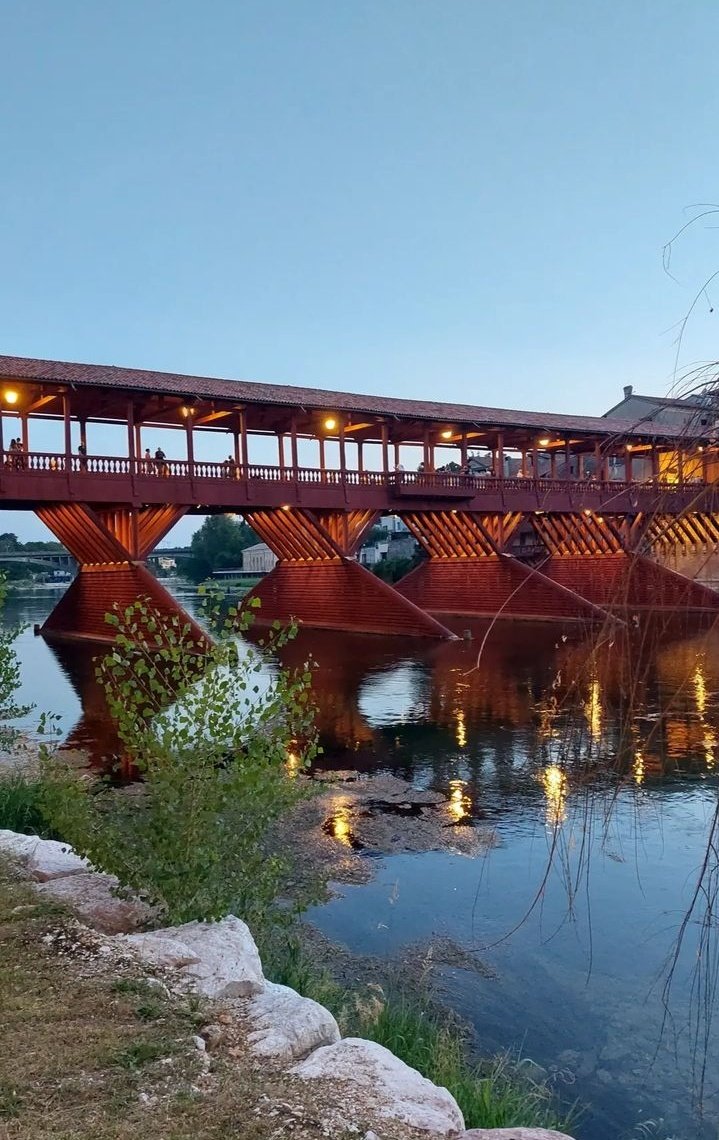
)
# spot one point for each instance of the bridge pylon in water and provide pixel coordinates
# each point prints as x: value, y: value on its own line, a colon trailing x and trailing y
x: 318, y: 582
x: 582, y: 566
x: 110, y: 547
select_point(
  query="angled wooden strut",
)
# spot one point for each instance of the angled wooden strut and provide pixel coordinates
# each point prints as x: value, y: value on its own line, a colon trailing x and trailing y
x: 461, y: 534
x: 469, y: 573
x: 602, y: 559
x: 318, y: 583
x: 110, y: 546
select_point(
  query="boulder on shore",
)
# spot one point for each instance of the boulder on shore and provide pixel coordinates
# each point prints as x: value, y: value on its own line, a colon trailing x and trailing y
x: 45, y: 859
x: 220, y: 958
x: 286, y: 1026
x: 91, y: 898
x: 385, y: 1085
x: 513, y: 1134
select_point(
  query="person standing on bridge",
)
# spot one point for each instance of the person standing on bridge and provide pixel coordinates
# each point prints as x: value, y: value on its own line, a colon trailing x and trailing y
x: 82, y: 452
x: 148, y: 461
x: 160, y: 462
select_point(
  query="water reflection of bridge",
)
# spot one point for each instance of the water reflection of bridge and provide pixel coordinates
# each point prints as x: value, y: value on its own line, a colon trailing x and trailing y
x: 604, y: 501
x: 558, y: 710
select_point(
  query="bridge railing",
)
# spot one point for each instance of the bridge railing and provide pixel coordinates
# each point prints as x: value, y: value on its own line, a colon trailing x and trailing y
x: 413, y: 482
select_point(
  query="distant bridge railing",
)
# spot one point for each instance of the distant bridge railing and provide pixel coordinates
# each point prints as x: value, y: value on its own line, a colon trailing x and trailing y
x: 447, y: 484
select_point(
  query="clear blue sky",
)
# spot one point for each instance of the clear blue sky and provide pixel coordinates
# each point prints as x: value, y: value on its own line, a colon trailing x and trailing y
x: 414, y: 197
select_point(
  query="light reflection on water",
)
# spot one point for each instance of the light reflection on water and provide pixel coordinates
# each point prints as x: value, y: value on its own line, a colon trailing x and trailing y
x: 596, y: 766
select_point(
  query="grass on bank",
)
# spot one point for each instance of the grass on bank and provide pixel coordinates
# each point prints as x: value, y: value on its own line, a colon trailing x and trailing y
x: 492, y: 1093
x: 92, y: 1052
x: 495, y: 1092
x: 21, y: 806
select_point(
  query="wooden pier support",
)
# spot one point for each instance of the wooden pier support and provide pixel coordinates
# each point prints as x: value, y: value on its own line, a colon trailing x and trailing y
x: 317, y: 582
x: 110, y: 546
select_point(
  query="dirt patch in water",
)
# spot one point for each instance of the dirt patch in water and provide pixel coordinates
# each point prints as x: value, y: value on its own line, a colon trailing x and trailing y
x: 335, y: 833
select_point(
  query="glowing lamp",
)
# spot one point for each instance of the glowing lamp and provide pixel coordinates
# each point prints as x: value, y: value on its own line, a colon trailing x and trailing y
x: 330, y: 423
x: 544, y: 442
x: 447, y: 434
x: 11, y: 396
x: 286, y: 507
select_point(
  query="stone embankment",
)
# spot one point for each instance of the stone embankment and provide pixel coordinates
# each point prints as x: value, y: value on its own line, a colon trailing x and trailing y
x: 372, y: 1088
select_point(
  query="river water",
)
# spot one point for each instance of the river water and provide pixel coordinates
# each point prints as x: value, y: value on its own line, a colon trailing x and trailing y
x: 595, y: 760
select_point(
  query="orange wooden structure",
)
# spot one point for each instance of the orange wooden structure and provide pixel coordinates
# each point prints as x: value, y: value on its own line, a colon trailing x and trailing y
x: 567, y: 519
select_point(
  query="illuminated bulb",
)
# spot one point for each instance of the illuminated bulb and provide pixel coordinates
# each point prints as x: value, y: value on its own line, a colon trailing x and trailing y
x: 286, y: 507
x: 587, y: 511
x: 447, y: 434
x: 330, y: 423
x: 544, y: 442
x: 11, y: 396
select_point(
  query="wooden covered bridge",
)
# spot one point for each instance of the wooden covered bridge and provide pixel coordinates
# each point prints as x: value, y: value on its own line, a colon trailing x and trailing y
x: 571, y: 517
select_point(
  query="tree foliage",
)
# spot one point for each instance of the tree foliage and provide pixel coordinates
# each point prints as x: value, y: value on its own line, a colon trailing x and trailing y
x: 210, y: 735
x: 217, y: 545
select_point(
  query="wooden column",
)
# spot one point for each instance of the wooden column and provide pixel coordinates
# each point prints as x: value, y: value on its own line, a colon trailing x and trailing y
x: 321, y: 441
x: 68, y: 431
x: 705, y: 463
x: 281, y: 451
x: 500, y: 453
x: 426, y: 450
x: 83, y: 433
x: 243, y: 440
x: 396, y: 455
x: 598, y: 462
x: 553, y: 464
x: 236, y: 449
x: 343, y: 455
x: 567, y: 461
x: 580, y: 465
x: 655, y: 462
x: 627, y: 465
x: 524, y: 462
x: 132, y: 436
x: 680, y: 465
x: 190, y: 444
x: 24, y: 429
x: 138, y: 438
x: 360, y: 461
x: 533, y: 456
x: 385, y: 449
x: 463, y: 447
x: 293, y: 447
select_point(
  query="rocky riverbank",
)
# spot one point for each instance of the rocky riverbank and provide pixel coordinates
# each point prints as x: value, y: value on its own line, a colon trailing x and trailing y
x: 351, y: 1087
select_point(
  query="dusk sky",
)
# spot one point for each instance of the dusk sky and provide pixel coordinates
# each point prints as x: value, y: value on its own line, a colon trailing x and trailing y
x: 458, y: 199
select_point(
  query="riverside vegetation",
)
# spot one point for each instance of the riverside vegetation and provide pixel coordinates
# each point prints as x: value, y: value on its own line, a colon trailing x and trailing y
x: 209, y: 741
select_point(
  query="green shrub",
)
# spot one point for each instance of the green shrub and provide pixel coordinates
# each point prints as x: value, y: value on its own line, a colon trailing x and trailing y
x: 21, y: 808
x: 211, y: 746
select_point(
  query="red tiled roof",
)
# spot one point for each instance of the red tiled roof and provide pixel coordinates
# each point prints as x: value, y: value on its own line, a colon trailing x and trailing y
x: 252, y: 392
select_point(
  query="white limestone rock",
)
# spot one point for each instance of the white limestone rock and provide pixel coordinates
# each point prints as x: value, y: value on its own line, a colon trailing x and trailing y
x: 513, y: 1134
x: 383, y: 1082
x: 16, y: 846
x: 90, y: 897
x: 288, y: 1026
x: 158, y: 949
x: 228, y: 964
x: 45, y: 859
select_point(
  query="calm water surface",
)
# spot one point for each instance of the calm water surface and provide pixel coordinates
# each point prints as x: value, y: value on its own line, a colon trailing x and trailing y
x: 597, y: 767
